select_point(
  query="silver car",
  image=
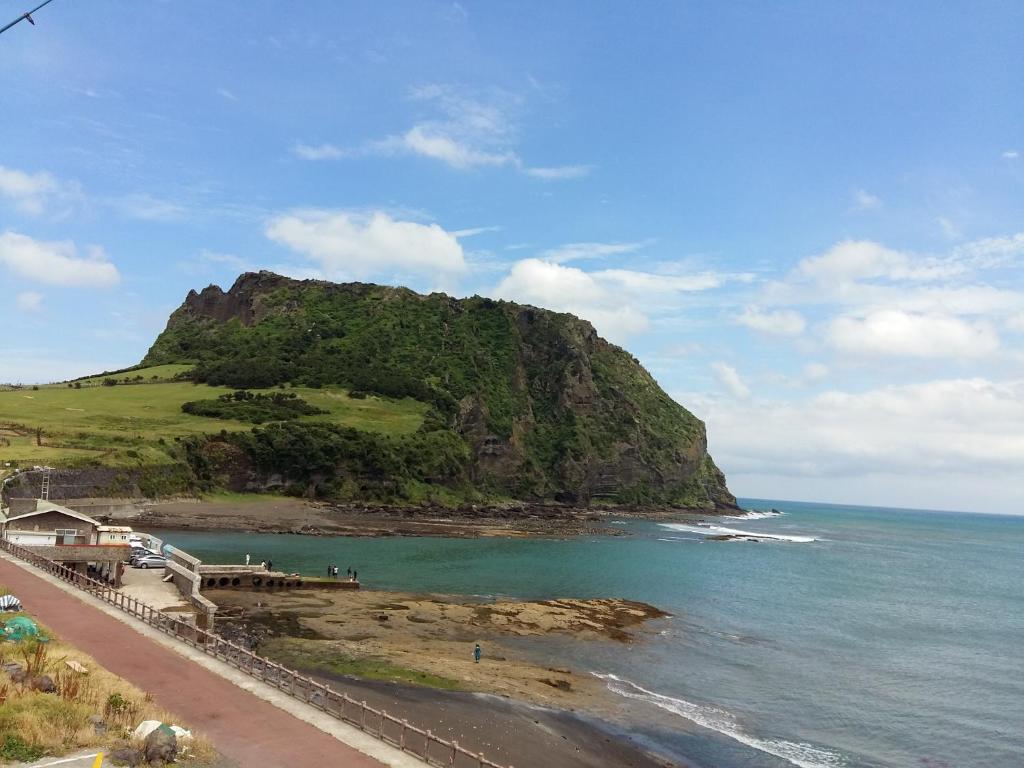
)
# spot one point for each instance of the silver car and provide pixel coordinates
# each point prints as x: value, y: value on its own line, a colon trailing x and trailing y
x: 150, y: 561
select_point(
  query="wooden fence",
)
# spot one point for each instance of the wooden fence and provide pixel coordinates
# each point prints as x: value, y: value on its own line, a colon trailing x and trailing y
x: 428, y: 747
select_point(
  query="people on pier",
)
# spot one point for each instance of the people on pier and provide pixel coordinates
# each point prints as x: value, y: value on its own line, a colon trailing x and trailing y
x: 246, y: 558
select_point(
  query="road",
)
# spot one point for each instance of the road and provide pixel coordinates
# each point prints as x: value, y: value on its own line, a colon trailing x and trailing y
x: 241, y: 726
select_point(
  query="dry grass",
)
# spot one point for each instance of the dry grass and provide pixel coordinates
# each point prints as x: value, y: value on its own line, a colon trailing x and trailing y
x: 56, y: 723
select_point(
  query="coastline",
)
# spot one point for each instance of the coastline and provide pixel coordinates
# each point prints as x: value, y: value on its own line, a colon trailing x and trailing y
x: 276, y: 514
x: 507, y: 705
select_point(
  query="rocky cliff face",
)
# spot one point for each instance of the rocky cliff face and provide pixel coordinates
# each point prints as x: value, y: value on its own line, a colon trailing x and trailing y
x: 547, y: 408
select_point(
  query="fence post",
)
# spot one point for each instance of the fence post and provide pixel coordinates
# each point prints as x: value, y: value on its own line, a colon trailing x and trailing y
x: 362, y: 718
x: 455, y: 750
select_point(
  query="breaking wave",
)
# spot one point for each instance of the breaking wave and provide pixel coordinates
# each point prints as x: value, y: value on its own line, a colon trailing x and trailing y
x: 706, y: 529
x: 756, y: 514
x: 717, y: 719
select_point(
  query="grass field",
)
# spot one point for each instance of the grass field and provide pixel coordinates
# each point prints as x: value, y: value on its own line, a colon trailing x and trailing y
x: 121, y: 425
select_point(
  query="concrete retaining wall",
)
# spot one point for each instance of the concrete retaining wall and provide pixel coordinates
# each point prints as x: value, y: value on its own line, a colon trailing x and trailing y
x: 85, y: 553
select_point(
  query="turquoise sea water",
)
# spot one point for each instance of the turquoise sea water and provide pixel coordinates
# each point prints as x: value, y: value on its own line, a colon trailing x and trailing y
x: 862, y: 637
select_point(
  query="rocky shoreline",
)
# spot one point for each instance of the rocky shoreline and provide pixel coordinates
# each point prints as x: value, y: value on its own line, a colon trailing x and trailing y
x: 271, y: 514
x: 412, y: 654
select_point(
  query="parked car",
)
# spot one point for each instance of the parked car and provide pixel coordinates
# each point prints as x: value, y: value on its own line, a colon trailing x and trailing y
x: 150, y: 561
x: 138, y: 552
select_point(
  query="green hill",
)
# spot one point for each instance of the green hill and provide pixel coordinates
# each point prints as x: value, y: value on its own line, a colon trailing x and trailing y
x: 400, y: 397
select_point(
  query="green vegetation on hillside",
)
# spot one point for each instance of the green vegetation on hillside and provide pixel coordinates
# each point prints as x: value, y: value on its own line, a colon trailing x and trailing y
x: 372, y: 393
x: 242, y: 405
x: 540, y: 406
x: 137, y: 425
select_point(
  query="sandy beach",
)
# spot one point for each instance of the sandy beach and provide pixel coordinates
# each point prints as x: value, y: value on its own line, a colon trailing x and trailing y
x: 417, y: 652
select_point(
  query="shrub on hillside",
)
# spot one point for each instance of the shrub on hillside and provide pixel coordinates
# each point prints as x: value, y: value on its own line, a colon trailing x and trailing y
x: 243, y: 405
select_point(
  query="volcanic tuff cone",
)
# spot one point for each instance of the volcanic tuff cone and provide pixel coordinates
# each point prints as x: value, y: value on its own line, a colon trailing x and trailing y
x: 530, y: 404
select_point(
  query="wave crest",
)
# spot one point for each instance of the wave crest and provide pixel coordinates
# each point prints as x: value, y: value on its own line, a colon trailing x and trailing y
x: 720, y: 530
x: 716, y: 719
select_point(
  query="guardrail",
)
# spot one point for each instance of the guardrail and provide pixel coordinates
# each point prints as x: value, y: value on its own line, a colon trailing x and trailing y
x: 428, y: 747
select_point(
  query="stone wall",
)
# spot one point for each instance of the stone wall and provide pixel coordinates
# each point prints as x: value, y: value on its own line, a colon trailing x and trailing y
x: 184, y: 575
x: 71, y: 553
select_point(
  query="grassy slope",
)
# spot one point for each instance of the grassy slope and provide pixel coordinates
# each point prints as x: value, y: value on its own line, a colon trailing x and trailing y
x: 101, y: 424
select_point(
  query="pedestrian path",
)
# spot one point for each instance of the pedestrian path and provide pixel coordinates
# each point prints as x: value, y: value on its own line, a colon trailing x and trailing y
x: 241, y: 726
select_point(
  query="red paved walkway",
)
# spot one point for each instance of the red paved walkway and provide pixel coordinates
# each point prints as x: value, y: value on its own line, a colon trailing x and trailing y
x: 241, y: 726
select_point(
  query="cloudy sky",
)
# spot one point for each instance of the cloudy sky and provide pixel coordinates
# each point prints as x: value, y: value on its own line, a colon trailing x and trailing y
x: 805, y: 219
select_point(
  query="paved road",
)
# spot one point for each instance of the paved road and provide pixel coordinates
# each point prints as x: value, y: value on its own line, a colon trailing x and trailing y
x: 241, y: 726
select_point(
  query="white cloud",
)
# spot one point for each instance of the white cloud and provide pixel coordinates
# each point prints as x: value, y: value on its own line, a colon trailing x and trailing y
x: 559, y: 172
x: 815, y: 371
x: 950, y: 425
x: 29, y: 301
x: 655, y: 283
x: 866, y: 260
x: 783, y: 322
x: 431, y: 142
x: 568, y: 289
x: 893, y: 332
x: 56, y: 263
x: 1016, y: 322
x: 349, y: 243
x: 993, y: 252
x: 948, y: 227
x: 34, y: 193
x: 576, y: 251
x: 224, y: 92
x: 318, y: 152
x: 1010, y: 154
x: 617, y: 301
x: 730, y: 378
x: 474, y: 231
x: 865, y: 201
x: 142, y: 205
x: 462, y: 130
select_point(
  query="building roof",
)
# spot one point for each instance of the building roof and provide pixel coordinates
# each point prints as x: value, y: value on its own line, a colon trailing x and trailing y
x: 43, y: 506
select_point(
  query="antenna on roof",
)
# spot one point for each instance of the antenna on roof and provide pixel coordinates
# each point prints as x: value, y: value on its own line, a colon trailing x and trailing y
x: 26, y: 16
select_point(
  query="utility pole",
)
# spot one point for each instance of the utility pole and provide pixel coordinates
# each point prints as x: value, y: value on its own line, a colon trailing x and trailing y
x: 27, y: 16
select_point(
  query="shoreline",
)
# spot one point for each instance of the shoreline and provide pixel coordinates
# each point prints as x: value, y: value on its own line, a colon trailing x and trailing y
x: 411, y: 654
x: 271, y: 514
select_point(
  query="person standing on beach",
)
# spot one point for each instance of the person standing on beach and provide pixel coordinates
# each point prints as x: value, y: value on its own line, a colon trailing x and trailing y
x: 246, y: 558
x: 270, y: 565
x: 355, y: 575
x: 350, y: 572
x: 330, y: 570
x: 477, y: 653
x: 263, y: 564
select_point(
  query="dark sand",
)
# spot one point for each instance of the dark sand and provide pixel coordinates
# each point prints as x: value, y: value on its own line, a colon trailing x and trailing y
x: 506, y: 731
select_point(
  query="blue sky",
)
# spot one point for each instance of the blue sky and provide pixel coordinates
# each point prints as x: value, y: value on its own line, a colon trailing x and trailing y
x: 806, y: 219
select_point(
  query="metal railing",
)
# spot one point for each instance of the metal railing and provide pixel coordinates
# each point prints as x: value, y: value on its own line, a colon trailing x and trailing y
x: 421, y: 743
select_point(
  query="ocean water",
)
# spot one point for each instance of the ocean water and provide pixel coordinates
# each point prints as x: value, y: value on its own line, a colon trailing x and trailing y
x: 828, y: 636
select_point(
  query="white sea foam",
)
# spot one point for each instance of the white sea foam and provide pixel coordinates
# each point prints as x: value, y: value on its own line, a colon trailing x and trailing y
x: 707, y: 529
x: 717, y: 719
x: 756, y: 514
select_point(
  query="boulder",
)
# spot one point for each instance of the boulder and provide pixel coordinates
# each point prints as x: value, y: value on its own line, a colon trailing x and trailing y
x: 161, y: 746
x: 43, y: 684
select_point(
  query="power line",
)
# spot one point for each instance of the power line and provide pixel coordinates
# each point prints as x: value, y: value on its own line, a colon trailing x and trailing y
x: 27, y: 16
